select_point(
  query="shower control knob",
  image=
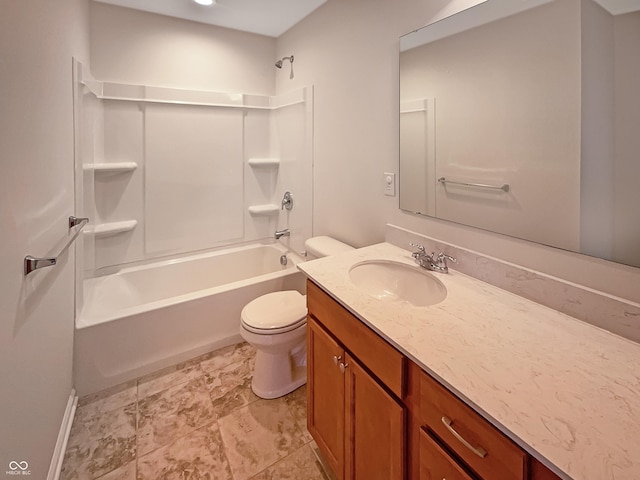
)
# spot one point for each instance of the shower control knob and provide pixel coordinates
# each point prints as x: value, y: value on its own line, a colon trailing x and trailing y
x: 287, y: 201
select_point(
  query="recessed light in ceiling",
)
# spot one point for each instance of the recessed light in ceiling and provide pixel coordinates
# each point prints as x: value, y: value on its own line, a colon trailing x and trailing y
x: 205, y: 2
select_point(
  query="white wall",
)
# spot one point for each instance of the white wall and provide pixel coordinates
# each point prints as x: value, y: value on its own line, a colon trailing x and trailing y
x: 37, y: 42
x: 349, y: 52
x: 130, y: 46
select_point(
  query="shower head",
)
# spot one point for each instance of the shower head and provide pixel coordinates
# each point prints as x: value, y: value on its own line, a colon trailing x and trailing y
x: 279, y: 62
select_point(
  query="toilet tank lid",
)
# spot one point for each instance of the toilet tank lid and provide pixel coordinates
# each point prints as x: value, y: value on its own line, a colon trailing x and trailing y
x: 324, y: 246
x: 275, y: 310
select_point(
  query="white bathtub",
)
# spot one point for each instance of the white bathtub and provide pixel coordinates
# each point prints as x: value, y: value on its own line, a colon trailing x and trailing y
x: 144, y: 318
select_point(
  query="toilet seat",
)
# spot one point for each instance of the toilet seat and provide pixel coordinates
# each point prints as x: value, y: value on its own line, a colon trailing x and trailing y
x: 274, y: 331
x: 274, y: 313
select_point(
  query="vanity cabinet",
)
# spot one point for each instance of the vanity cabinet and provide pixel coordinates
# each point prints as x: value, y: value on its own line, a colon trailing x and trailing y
x: 358, y: 423
x: 376, y: 415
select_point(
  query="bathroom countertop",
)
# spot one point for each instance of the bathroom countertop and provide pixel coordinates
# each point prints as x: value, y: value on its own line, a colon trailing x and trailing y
x: 564, y: 390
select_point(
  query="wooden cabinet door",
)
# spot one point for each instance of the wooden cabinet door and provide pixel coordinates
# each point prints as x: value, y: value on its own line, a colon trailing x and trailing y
x: 436, y: 463
x: 325, y: 395
x: 375, y: 428
x: 540, y: 472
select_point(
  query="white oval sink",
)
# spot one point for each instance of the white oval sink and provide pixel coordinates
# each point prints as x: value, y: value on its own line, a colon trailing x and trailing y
x: 393, y: 281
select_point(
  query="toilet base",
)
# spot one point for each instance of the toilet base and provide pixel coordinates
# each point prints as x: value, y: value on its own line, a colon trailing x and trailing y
x: 276, y: 375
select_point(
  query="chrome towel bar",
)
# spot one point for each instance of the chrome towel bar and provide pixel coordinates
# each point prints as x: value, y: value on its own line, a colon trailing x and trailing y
x: 504, y: 188
x: 34, y: 263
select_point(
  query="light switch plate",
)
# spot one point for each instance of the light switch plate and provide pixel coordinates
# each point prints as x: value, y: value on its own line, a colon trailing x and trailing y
x: 389, y: 184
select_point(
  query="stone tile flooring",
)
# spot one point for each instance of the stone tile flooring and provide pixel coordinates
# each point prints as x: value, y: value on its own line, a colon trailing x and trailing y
x: 196, y: 420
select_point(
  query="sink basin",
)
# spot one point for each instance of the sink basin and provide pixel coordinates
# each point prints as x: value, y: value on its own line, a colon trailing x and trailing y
x: 397, y: 282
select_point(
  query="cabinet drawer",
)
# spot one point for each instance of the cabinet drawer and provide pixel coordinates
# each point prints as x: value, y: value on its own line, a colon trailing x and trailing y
x: 478, y: 443
x: 436, y: 463
x: 381, y: 359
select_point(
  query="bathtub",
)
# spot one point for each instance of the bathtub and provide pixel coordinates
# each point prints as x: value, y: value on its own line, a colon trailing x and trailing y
x: 144, y: 318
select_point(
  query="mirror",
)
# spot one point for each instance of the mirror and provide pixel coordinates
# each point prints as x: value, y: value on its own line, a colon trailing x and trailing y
x: 523, y: 118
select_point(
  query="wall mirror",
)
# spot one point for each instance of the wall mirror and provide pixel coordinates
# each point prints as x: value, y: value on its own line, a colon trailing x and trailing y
x: 523, y: 118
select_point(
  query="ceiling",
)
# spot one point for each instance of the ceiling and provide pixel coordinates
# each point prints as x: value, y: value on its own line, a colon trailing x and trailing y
x: 619, y: 7
x: 265, y: 17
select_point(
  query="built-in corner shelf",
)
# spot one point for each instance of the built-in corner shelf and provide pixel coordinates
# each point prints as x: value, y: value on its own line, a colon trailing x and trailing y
x: 111, y: 228
x: 264, y: 210
x: 264, y: 162
x: 111, y: 168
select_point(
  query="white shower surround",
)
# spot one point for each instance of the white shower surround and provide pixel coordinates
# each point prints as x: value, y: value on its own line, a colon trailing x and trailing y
x: 194, y: 183
x: 144, y: 318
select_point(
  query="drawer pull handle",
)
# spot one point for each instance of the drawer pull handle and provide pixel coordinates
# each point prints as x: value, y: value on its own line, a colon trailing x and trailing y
x: 336, y: 359
x: 479, y: 451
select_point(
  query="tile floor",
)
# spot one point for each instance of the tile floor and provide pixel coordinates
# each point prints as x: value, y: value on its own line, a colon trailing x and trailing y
x: 197, y: 420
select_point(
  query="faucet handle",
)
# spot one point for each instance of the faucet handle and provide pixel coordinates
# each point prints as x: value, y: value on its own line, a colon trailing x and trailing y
x: 443, y: 257
x: 420, y: 249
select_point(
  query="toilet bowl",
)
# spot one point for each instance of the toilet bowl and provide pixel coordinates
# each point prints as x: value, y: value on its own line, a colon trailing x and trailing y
x: 275, y: 324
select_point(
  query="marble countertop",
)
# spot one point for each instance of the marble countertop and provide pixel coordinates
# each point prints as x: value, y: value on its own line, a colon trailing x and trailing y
x: 564, y: 390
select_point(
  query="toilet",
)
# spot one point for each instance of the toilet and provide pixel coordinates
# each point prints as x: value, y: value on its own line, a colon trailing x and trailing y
x: 276, y: 325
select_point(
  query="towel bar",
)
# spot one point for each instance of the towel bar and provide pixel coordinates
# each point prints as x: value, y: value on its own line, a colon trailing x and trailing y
x: 34, y: 263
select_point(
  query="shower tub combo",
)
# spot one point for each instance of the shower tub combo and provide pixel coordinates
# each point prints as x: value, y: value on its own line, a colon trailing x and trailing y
x: 144, y: 318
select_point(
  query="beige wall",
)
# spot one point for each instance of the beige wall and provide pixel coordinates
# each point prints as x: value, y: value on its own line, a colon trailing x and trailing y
x: 37, y: 41
x: 597, y: 182
x: 627, y: 140
x: 140, y: 48
x: 349, y: 51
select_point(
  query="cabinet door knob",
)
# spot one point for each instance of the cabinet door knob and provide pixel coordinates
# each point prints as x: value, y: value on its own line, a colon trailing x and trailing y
x: 336, y: 359
x: 343, y: 366
x: 479, y: 451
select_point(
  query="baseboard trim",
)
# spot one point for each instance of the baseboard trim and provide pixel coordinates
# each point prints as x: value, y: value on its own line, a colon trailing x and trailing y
x: 63, y: 437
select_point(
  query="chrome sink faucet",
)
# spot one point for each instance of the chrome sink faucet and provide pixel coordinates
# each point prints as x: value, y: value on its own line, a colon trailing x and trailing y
x: 433, y: 262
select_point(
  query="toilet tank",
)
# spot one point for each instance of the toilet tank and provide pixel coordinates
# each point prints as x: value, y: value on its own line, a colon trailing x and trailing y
x: 324, y: 246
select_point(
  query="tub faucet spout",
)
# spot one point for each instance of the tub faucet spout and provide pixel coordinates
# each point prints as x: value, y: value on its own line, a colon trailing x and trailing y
x: 282, y: 233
